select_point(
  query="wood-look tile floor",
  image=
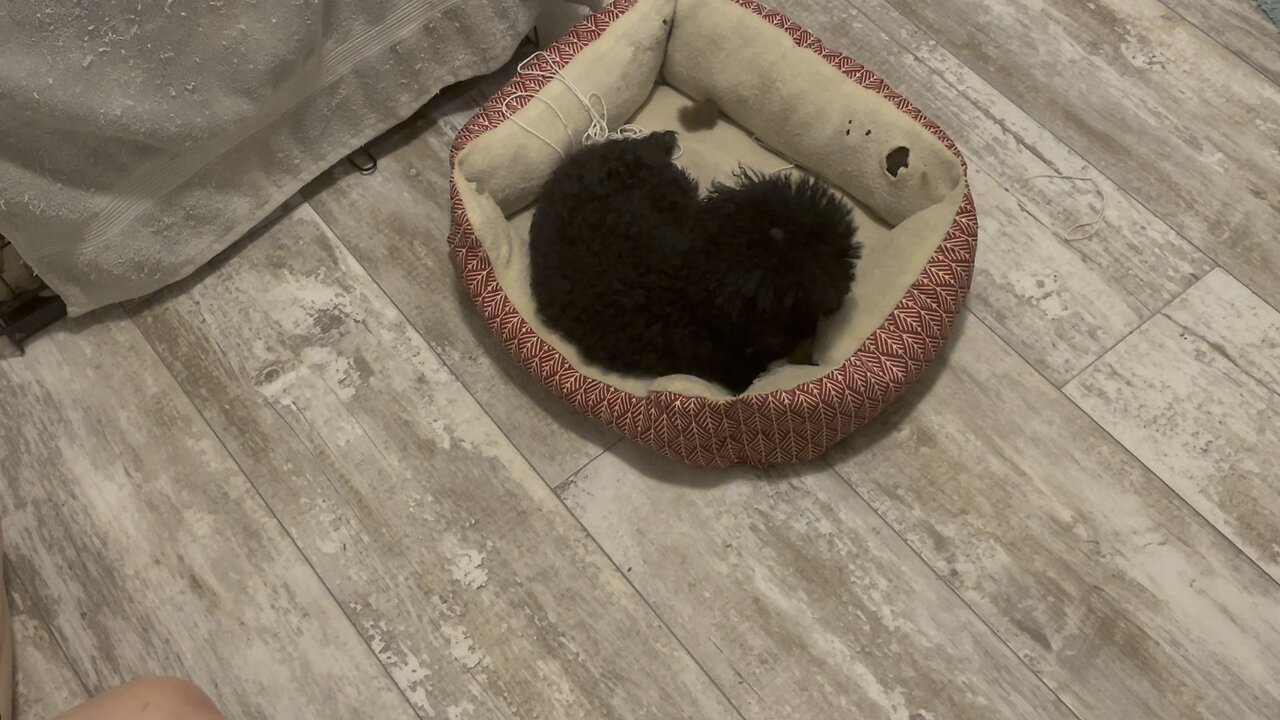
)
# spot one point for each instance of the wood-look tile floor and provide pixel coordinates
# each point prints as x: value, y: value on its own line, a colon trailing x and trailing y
x: 308, y: 478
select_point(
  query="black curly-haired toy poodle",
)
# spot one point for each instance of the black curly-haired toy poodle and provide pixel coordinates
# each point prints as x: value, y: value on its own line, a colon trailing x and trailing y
x: 645, y: 277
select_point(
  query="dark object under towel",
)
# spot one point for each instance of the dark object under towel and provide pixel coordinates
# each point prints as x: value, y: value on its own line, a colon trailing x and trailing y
x: 1272, y: 9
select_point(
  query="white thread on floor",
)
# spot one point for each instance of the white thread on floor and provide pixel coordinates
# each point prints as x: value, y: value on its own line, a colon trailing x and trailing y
x: 1093, y: 225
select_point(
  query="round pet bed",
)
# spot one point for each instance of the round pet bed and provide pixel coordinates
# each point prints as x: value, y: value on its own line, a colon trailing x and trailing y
x: 776, y: 96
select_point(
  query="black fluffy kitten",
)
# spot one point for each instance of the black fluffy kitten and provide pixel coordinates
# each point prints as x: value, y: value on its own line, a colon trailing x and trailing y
x: 645, y: 278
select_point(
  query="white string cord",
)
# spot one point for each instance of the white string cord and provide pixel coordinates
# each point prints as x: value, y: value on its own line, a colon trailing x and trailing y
x: 598, y: 126
x: 1094, y: 225
x: 563, y: 123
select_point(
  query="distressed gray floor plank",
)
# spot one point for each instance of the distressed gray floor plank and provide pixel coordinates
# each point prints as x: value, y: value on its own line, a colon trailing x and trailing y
x: 1171, y: 116
x: 45, y: 683
x: 148, y: 550
x: 478, y: 590
x: 796, y: 597
x: 1240, y: 25
x: 395, y: 222
x: 1195, y: 394
x: 1121, y: 597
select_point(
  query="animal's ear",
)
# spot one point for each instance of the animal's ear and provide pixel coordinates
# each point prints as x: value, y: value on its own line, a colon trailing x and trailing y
x: 660, y: 146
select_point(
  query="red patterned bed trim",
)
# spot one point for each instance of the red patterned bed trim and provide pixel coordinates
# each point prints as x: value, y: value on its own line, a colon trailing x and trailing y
x: 778, y: 427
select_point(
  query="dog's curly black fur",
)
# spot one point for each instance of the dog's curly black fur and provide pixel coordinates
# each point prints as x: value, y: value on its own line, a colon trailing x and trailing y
x: 644, y: 277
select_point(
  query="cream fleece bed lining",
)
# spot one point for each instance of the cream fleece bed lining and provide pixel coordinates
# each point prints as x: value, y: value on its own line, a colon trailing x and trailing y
x: 789, y: 97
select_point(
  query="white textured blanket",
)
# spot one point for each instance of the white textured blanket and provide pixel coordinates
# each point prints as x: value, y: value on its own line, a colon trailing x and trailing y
x: 138, y: 138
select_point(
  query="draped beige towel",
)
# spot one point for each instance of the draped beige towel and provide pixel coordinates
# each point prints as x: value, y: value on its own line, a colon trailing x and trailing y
x: 138, y: 138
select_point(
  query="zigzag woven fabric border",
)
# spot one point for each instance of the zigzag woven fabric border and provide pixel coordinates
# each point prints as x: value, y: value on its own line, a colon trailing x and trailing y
x: 766, y: 429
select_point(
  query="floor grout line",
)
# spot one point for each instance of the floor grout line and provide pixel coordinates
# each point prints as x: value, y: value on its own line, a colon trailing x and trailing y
x: 1157, y: 216
x: 848, y: 483
x: 1184, y: 502
x: 563, y: 483
x: 552, y: 488
x: 443, y: 362
x: 649, y: 604
x: 413, y: 710
x: 44, y: 621
x: 1048, y: 130
x: 1245, y: 61
x: 980, y: 164
x: 1187, y: 504
x: 1155, y: 314
x: 1274, y: 307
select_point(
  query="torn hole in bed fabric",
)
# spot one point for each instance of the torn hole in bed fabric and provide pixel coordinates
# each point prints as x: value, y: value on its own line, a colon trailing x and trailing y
x: 897, y: 160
